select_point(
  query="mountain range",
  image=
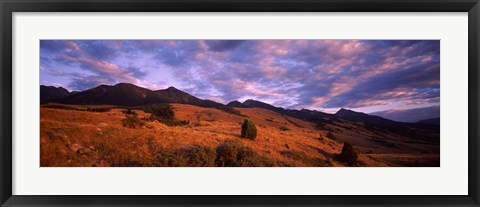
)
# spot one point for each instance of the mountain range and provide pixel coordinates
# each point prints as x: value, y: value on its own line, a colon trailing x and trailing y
x: 48, y: 93
x: 125, y: 94
x: 410, y: 115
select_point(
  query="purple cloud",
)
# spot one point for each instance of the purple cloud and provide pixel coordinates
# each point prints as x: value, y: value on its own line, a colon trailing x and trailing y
x: 314, y: 74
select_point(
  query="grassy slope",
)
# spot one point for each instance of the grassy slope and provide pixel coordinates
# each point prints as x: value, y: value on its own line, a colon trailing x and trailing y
x: 81, y: 138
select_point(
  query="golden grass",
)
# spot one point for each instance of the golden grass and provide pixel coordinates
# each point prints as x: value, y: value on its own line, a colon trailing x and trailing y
x: 81, y: 138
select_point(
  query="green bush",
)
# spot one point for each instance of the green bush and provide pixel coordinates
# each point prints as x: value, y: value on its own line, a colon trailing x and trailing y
x: 249, y: 130
x: 233, y: 154
x: 230, y: 110
x: 348, y: 155
x: 163, y: 113
x: 169, y: 159
x: 284, y: 128
x: 306, y: 160
x: 197, y: 156
x: 132, y: 121
x: 130, y: 112
x: 227, y: 154
x: 160, y: 110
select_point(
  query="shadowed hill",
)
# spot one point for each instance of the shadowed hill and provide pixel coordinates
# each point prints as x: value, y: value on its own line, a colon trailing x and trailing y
x: 300, y: 114
x: 124, y: 94
x: 48, y: 93
x: 410, y: 115
x: 362, y: 117
x: 236, y: 104
x: 434, y: 121
x: 382, y: 125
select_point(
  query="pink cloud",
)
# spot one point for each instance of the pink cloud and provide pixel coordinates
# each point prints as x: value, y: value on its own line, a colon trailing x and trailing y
x: 254, y: 88
x: 74, y: 46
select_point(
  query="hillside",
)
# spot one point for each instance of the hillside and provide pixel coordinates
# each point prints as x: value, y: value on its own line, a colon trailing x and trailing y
x: 433, y: 121
x: 48, y: 93
x: 281, y: 140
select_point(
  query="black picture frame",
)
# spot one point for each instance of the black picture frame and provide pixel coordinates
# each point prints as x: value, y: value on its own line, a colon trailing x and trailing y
x: 7, y: 8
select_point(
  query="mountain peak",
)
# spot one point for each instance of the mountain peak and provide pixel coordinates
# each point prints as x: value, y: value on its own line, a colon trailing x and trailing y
x: 251, y: 101
x: 362, y: 117
x: 53, y: 87
x: 235, y: 103
x: 127, y: 94
x: 256, y: 104
x: 343, y: 111
x: 49, y: 93
x: 171, y: 88
x: 124, y: 84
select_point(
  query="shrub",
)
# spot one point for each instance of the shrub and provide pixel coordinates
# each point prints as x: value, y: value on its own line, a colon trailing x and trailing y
x: 331, y: 136
x: 306, y: 160
x: 348, y: 155
x: 202, y: 157
x: 132, y: 121
x: 227, y: 154
x: 320, y: 137
x: 125, y: 161
x: 230, y: 110
x: 105, y: 109
x: 197, y: 156
x: 163, y: 113
x: 249, y: 130
x: 130, y: 112
x: 168, y: 122
x: 233, y: 154
x: 169, y: 159
x: 160, y: 110
x: 284, y: 128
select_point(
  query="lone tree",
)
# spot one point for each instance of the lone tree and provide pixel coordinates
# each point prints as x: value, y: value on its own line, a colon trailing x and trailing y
x: 249, y: 130
x: 348, y: 155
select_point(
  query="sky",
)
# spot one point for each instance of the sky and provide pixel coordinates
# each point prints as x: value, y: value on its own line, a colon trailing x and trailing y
x: 325, y: 75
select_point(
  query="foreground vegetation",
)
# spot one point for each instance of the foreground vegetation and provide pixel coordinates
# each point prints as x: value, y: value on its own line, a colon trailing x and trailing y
x: 183, y: 135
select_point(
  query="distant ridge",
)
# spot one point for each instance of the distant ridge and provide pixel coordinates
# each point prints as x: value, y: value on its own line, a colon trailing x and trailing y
x: 433, y: 121
x: 362, y: 117
x: 125, y: 94
x: 410, y: 115
x: 48, y: 93
x: 300, y: 114
x: 236, y: 104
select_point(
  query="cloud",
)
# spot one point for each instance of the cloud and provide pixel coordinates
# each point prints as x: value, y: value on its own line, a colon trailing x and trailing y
x: 222, y: 45
x: 57, y: 72
x: 81, y: 82
x: 313, y: 74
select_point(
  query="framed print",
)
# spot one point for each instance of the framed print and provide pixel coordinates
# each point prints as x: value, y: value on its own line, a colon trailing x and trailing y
x: 195, y: 103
